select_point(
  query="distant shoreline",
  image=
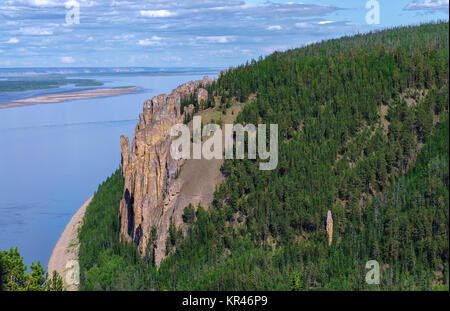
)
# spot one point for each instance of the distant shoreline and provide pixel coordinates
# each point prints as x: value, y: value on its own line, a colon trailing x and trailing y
x: 72, y: 95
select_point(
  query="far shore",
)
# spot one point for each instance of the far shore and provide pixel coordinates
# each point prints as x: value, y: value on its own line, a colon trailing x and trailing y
x: 66, y: 249
x: 62, y: 97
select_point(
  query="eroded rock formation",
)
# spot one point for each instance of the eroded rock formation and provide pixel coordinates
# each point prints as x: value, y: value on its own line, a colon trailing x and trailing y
x: 330, y: 228
x: 202, y: 97
x: 148, y: 169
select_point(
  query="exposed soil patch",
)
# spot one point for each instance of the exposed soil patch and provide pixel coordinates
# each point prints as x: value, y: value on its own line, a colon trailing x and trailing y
x: 199, y: 178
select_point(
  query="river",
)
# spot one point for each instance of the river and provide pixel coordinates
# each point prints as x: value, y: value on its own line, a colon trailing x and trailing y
x: 54, y: 156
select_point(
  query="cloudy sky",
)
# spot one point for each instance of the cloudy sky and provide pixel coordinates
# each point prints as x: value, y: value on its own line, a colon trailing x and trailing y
x: 197, y: 33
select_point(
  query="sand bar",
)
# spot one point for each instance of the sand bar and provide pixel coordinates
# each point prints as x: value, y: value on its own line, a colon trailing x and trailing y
x: 62, y: 97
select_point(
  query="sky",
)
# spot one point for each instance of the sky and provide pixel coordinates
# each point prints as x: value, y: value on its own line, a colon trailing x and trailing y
x: 188, y: 33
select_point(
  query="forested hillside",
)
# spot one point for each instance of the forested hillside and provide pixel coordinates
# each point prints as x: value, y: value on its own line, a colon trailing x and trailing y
x: 363, y: 127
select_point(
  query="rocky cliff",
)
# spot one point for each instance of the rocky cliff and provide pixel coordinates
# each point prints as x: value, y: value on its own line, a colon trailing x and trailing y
x: 150, y: 190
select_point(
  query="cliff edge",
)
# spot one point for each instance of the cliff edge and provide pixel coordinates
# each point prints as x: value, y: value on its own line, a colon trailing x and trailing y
x: 150, y: 194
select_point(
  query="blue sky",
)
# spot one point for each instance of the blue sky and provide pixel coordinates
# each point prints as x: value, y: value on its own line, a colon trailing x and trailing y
x: 197, y: 33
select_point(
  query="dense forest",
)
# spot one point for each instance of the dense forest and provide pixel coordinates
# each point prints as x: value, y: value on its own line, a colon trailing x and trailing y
x: 364, y: 131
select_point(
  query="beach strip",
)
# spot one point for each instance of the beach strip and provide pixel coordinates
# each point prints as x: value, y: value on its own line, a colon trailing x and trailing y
x: 66, y: 249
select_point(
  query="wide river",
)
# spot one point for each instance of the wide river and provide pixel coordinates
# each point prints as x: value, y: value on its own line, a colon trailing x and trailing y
x: 54, y: 156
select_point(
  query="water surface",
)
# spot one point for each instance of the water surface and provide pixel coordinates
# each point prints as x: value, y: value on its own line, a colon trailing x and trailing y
x: 53, y: 157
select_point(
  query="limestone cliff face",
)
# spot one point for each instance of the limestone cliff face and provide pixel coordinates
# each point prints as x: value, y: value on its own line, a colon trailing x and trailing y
x: 148, y: 170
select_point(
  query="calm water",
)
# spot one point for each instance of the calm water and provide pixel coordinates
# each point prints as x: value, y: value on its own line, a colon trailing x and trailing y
x: 53, y: 157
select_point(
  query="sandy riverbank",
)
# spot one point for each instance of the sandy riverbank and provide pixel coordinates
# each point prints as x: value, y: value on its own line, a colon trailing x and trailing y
x: 13, y: 105
x: 66, y: 249
x: 62, y: 97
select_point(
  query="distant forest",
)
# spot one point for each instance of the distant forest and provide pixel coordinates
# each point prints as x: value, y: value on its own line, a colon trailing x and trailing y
x: 364, y: 132
x: 28, y: 84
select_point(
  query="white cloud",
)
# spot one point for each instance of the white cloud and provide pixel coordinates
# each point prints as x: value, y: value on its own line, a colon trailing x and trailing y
x: 310, y: 43
x: 217, y: 39
x: 32, y: 31
x: 274, y: 27
x: 271, y: 49
x: 124, y: 37
x: 428, y: 5
x: 302, y: 25
x: 52, y: 3
x: 67, y: 59
x: 176, y: 31
x: 13, y: 41
x: 157, y: 13
x: 136, y: 59
x: 173, y: 59
x: 153, y: 41
x: 42, y: 3
x: 325, y: 22
x: 221, y: 52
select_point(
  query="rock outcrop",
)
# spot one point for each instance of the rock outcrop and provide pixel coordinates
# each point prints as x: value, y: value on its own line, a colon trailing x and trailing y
x: 202, y: 97
x: 149, y: 170
x: 330, y: 228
